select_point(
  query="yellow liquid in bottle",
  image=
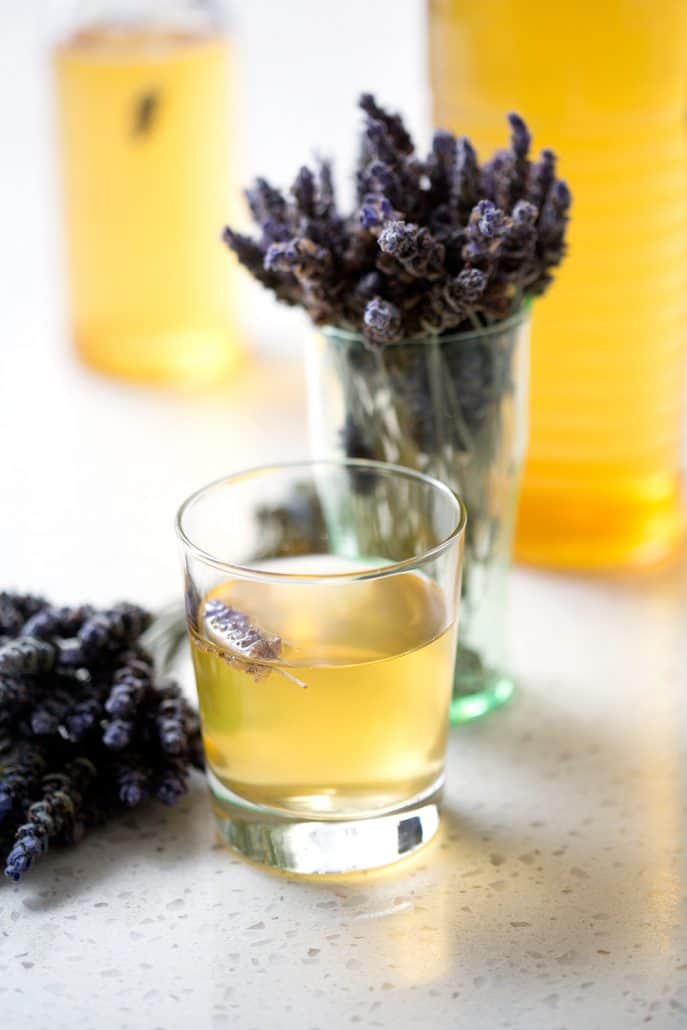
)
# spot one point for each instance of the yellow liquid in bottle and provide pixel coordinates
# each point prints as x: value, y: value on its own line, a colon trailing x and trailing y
x: 144, y: 124
x: 604, y: 85
x: 368, y: 729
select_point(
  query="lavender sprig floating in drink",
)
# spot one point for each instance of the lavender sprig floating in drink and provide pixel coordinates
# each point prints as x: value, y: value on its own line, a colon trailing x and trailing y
x: 243, y: 641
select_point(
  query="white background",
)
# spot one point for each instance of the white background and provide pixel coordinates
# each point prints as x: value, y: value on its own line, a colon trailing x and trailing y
x: 555, y: 896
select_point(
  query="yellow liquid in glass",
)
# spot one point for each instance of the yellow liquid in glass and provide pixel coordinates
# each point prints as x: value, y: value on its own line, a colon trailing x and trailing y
x: 604, y: 85
x: 368, y: 729
x: 144, y: 124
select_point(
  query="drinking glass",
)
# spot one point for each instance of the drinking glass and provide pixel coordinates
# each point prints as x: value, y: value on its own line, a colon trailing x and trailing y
x: 322, y: 605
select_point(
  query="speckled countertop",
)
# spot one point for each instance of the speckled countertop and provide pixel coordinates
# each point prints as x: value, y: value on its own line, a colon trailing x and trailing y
x: 554, y: 897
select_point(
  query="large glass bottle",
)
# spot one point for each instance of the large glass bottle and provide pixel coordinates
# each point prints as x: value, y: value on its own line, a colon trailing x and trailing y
x: 143, y: 103
x: 603, y: 84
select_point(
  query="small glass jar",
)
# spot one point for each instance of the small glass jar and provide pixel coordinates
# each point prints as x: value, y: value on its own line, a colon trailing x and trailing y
x: 453, y: 407
x: 143, y: 105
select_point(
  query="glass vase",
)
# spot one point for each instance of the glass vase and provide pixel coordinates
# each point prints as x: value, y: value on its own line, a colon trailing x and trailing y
x: 453, y: 407
x: 143, y: 94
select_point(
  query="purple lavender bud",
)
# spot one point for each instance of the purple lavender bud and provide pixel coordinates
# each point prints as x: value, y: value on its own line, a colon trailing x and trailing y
x: 485, y: 233
x: 542, y: 177
x: 21, y: 857
x: 471, y: 283
x: 442, y: 165
x: 520, y: 135
x: 326, y: 196
x: 375, y: 210
x: 172, y: 734
x: 44, y: 722
x: 266, y: 202
x: 496, y: 178
x: 117, y: 734
x: 6, y: 802
x: 113, y: 628
x: 71, y: 655
x: 301, y: 256
x: 561, y: 195
x: 524, y: 213
x: 26, y: 656
x: 381, y: 178
x: 275, y: 232
x: 51, y: 817
x: 16, y: 694
x: 303, y: 191
x: 393, y: 123
x: 132, y: 780
x: 82, y: 718
x: 464, y: 192
x: 367, y: 287
x: 249, y: 253
x: 62, y: 622
x: 378, y: 145
x: 171, y: 783
x: 554, y: 215
x: 15, y: 609
x: 119, y: 701
x: 444, y: 148
x: 382, y: 321
x: 489, y: 219
x: 131, y: 683
x: 519, y: 166
x: 414, y: 248
x: 11, y: 615
x: 20, y: 779
x: 448, y: 303
x: 378, y: 177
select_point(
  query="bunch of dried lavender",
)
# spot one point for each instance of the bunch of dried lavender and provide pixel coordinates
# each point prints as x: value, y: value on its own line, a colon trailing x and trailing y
x: 87, y: 726
x: 434, y: 244
x: 420, y: 289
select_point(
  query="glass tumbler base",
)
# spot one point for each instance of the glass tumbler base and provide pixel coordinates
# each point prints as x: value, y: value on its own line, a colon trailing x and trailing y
x: 328, y: 846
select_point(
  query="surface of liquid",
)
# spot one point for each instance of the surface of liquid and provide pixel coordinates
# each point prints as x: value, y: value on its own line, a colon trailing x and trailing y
x: 604, y: 84
x: 367, y: 729
x: 144, y: 125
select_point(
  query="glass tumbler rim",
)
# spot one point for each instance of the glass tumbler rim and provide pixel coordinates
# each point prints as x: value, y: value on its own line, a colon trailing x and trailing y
x: 254, y: 572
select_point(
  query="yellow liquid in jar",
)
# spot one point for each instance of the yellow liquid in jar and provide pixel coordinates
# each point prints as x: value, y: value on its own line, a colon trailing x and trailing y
x: 144, y: 126
x: 368, y: 729
x: 604, y: 85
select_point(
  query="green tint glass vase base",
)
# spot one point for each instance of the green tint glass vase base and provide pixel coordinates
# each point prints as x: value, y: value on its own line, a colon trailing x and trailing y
x: 472, y: 704
x: 477, y: 688
x: 327, y: 846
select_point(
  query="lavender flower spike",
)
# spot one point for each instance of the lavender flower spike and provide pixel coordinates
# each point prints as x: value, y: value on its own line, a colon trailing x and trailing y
x: 418, y: 223
x: 382, y: 321
x: 414, y: 248
x: 375, y: 210
x: 520, y: 136
x: 393, y: 123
